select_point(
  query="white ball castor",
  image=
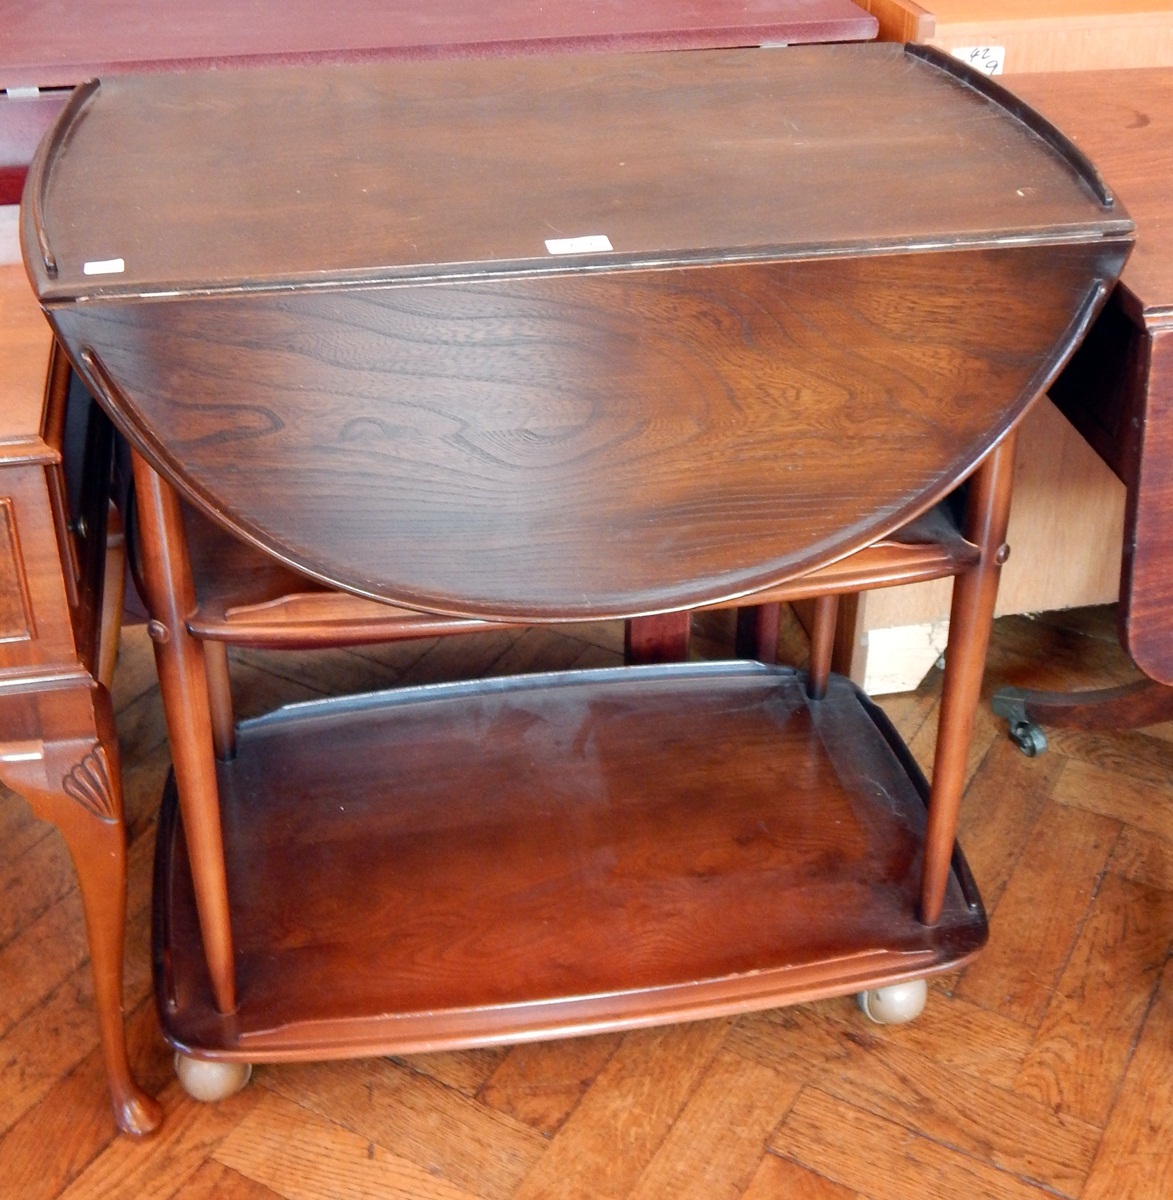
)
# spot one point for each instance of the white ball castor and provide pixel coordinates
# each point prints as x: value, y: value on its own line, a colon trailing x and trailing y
x: 895, y: 1004
x: 203, y: 1079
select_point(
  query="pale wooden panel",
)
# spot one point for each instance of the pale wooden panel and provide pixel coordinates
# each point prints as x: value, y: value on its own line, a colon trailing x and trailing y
x: 1066, y: 535
x: 1039, y: 35
x: 901, y: 20
x: 25, y: 340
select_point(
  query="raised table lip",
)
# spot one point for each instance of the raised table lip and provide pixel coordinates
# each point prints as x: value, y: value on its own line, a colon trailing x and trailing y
x: 772, y: 961
x: 683, y: 556
x: 55, y: 282
x: 503, y: 685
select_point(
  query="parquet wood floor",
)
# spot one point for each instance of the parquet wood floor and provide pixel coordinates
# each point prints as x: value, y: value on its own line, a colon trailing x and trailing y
x: 1045, y: 1069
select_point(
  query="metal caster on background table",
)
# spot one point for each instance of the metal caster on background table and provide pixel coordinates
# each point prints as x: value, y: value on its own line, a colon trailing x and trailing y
x: 1024, y: 733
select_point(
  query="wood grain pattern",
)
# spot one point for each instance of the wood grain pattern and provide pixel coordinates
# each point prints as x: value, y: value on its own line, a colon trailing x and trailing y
x: 1100, y: 1004
x: 1128, y: 128
x: 674, y: 158
x: 573, y: 417
x: 659, y: 1073
x: 883, y: 1160
x: 512, y: 482
x: 543, y: 894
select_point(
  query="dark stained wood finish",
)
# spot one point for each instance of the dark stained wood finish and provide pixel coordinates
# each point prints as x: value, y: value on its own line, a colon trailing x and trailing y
x: 1130, y: 706
x: 580, y: 883
x: 575, y: 417
x: 170, y: 594
x: 762, y: 377
x: 1119, y: 389
x: 674, y: 158
x: 58, y: 747
x: 970, y: 618
x: 510, y: 487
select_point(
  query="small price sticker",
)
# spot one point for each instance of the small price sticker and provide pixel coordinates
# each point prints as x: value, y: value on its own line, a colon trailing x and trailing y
x: 990, y: 60
x: 594, y: 243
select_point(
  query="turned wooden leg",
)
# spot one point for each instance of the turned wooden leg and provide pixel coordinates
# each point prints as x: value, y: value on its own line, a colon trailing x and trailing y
x: 659, y: 639
x: 113, y: 597
x: 822, y: 646
x: 220, y: 700
x: 183, y: 681
x: 74, y: 781
x: 970, y: 618
x: 757, y: 632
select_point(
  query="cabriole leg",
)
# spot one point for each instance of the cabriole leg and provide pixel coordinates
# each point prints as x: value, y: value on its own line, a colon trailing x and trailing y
x: 70, y: 776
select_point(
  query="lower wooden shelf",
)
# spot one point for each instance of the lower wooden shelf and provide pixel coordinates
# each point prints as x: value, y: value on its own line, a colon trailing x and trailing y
x: 545, y: 855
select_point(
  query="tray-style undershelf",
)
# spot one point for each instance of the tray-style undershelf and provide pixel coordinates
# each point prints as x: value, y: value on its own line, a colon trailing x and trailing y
x: 542, y: 855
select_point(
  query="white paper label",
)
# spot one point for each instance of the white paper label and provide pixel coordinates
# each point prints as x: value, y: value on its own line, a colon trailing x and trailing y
x: 104, y: 266
x: 988, y: 59
x: 596, y: 243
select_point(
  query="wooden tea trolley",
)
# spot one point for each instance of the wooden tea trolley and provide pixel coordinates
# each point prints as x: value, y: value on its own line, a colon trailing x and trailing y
x: 537, y: 340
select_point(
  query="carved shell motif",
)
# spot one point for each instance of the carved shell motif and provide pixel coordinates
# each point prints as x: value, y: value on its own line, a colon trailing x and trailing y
x: 89, y: 784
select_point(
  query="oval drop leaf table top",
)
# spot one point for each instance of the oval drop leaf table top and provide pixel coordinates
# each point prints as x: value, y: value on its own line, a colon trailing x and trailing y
x: 564, y: 338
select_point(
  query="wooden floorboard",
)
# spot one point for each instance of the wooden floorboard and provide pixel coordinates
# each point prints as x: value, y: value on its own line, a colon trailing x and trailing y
x: 1044, y: 1069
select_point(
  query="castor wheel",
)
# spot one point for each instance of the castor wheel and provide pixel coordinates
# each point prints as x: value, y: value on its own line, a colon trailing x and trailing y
x: 209, y: 1081
x: 1028, y: 737
x: 895, y: 1004
x: 1010, y: 703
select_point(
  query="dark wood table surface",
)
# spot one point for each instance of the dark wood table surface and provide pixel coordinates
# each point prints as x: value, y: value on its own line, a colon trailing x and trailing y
x: 55, y: 46
x: 805, y: 294
x: 47, y: 49
x: 1119, y: 389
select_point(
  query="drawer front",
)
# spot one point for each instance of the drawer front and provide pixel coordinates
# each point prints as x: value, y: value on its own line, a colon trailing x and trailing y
x: 36, y: 630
